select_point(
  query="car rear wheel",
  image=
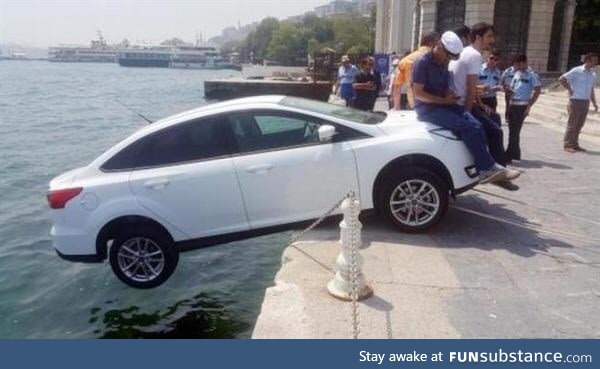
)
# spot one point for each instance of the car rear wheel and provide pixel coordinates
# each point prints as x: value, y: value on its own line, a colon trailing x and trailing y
x: 415, y: 199
x: 143, y: 257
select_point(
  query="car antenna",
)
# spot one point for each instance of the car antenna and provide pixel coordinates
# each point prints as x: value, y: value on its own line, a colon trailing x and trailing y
x: 133, y: 111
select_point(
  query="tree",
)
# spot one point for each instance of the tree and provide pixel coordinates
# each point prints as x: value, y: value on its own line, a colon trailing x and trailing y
x: 289, y: 44
x: 352, y: 34
x: 257, y: 41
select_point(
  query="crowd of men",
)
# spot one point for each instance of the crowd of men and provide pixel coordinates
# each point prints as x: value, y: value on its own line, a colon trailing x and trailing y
x: 448, y: 82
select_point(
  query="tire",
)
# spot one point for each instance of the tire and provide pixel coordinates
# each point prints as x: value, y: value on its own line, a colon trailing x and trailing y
x: 159, y: 253
x: 414, y: 200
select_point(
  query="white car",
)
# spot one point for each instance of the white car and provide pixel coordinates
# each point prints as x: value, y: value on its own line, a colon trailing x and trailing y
x: 247, y: 167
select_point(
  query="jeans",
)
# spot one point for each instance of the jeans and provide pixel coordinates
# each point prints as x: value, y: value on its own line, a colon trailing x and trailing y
x: 492, y: 102
x: 465, y: 126
x: 495, y: 137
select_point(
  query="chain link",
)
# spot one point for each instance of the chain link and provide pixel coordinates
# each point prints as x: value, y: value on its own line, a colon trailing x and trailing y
x: 295, y: 237
x: 354, y: 269
x: 354, y: 250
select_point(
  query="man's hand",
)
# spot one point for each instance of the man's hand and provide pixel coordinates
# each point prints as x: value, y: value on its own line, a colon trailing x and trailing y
x: 486, y: 109
x: 451, y: 98
x: 595, y: 106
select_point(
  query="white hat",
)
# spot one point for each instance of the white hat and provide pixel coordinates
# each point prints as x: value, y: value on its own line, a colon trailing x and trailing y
x: 452, y: 43
x: 345, y: 58
x: 396, y: 61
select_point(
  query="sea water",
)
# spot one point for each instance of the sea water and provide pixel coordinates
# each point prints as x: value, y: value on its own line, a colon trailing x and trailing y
x: 59, y: 116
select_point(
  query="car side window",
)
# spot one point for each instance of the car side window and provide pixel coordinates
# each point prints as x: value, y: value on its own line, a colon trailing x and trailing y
x: 196, y: 140
x: 266, y: 130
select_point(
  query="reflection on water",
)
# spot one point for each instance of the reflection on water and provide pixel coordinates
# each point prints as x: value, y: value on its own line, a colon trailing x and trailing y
x: 199, y: 317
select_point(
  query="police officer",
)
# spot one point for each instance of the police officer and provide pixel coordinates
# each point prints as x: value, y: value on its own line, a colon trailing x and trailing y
x: 489, y: 79
x: 524, y: 88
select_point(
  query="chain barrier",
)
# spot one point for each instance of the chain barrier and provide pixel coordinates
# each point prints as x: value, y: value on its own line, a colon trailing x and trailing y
x: 353, y: 266
x: 354, y: 275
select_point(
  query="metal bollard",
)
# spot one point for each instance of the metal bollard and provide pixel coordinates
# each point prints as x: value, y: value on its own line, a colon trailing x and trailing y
x: 349, y: 280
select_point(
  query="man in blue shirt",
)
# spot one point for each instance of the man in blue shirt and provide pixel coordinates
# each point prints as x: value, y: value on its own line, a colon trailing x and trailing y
x: 579, y: 81
x: 489, y: 78
x: 346, y: 74
x: 437, y: 104
x: 524, y: 88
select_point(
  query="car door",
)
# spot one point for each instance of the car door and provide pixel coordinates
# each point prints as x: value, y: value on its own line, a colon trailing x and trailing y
x: 185, y: 175
x: 285, y: 173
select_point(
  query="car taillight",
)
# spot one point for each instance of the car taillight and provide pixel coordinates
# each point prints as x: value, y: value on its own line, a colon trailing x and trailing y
x: 58, y: 199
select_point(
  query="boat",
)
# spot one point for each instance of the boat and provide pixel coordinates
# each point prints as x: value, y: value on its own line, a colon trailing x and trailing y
x: 199, y: 57
x: 178, y: 56
x: 145, y: 56
x: 98, y: 52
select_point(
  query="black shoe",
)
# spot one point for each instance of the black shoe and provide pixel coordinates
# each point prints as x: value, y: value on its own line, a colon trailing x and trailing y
x: 507, y: 185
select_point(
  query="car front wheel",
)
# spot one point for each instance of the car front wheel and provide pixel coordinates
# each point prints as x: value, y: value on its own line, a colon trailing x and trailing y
x: 143, y: 257
x: 415, y: 199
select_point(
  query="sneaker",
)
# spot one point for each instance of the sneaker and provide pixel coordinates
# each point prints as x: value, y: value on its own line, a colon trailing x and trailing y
x: 507, y: 185
x: 494, y: 174
x: 570, y: 149
x: 579, y: 148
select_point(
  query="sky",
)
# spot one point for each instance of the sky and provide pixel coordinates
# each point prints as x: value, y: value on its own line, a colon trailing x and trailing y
x: 43, y: 23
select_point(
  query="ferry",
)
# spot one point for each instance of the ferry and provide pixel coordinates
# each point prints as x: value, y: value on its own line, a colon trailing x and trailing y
x: 180, y: 56
x: 98, y: 52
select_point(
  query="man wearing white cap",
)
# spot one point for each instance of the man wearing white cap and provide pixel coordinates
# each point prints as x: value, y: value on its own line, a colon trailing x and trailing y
x: 435, y: 102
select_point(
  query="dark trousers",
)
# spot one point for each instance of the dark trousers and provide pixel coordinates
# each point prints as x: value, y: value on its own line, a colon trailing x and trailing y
x: 492, y: 102
x: 578, y: 110
x: 495, y: 137
x: 507, y: 104
x: 516, y: 117
x: 404, y: 102
x: 465, y: 126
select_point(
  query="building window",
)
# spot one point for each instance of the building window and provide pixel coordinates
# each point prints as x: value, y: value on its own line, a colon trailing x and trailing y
x: 449, y: 15
x: 511, y: 24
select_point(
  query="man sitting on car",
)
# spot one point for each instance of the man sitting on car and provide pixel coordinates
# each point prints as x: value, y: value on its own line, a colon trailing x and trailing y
x: 436, y: 103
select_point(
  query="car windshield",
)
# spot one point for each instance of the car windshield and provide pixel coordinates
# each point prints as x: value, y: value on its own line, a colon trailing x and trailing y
x: 337, y: 111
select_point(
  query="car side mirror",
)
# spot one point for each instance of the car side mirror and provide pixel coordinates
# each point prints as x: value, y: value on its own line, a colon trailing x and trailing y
x: 326, y: 132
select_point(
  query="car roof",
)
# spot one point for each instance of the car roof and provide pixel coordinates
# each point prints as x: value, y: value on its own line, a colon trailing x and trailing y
x: 263, y: 99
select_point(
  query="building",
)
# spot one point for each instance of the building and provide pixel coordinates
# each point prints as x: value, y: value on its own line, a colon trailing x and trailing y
x: 539, y: 28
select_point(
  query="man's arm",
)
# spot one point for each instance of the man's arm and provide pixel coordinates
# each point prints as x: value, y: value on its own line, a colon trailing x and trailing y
x: 536, y: 93
x: 593, y: 98
x: 401, y: 79
x: 565, y: 83
x: 426, y: 97
x: 472, y: 80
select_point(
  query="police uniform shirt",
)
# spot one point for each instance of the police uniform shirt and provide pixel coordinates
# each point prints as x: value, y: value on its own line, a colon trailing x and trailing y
x: 507, y: 76
x: 522, y: 86
x: 491, y: 78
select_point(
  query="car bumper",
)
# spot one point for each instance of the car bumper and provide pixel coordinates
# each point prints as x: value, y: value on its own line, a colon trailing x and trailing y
x: 74, y: 246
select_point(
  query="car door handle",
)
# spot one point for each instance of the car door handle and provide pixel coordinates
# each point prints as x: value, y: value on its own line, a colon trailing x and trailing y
x: 157, y: 184
x: 259, y: 169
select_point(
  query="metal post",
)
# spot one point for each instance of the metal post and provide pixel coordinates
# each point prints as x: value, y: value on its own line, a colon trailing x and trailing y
x: 349, y: 280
